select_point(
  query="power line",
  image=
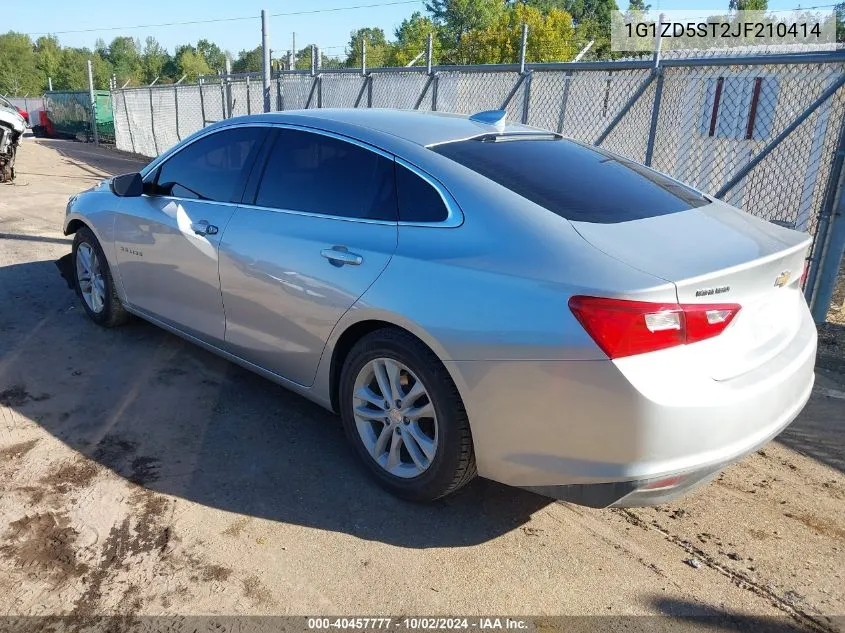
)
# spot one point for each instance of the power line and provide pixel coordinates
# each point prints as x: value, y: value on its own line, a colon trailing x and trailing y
x: 336, y: 9
x: 216, y: 20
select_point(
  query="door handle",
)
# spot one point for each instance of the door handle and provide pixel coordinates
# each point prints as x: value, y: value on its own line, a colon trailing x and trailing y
x: 203, y: 228
x: 340, y: 255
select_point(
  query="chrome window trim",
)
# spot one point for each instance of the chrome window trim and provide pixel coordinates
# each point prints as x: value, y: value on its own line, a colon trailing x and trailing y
x: 173, y: 151
x: 454, y: 215
x: 310, y: 214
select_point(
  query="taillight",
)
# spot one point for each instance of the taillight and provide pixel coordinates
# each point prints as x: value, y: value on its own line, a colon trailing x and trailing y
x: 804, y: 273
x: 625, y: 328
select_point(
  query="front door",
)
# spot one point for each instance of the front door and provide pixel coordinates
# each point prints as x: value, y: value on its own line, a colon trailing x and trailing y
x: 167, y: 240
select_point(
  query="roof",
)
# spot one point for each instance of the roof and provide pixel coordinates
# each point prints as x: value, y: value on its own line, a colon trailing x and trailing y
x: 421, y: 128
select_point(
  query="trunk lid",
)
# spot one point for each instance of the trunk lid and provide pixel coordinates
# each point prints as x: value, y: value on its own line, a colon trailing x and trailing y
x: 716, y: 254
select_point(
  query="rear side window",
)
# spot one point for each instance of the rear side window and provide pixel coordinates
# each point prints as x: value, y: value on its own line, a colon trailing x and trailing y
x: 418, y: 200
x: 319, y: 174
x: 212, y: 168
x: 579, y: 183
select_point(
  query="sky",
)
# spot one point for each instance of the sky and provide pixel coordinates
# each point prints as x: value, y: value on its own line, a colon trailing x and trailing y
x: 328, y: 29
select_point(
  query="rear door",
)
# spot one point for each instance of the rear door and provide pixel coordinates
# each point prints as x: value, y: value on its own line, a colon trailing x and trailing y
x: 167, y: 239
x: 318, y: 228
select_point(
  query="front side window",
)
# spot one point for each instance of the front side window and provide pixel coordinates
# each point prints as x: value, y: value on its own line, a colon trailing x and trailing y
x: 212, y: 168
x: 315, y: 173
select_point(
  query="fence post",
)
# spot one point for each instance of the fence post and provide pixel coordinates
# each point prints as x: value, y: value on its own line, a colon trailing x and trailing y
x: 128, y: 121
x: 526, y: 96
x: 248, y: 104
x: 522, y: 47
x: 153, y: 121
x: 429, y: 53
x: 202, y: 103
x: 313, y: 61
x: 176, y: 110
x: 50, y: 84
x: 824, y: 264
x: 93, y: 104
x: 265, y: 46
x: 280, y: 101
x: 363, y: 57
x: 832, y: 250
x: 658, y: 93
x: 229, y: 102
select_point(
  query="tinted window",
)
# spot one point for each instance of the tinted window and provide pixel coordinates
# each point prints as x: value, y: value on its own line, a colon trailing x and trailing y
x: 580, y: 183
x: 418, y: 200
x: 319, y: 174
x: 211, y: 168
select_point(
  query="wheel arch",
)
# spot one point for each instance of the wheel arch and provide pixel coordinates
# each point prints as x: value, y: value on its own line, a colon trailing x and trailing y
x: 350, y: 333
x: 75, y: 224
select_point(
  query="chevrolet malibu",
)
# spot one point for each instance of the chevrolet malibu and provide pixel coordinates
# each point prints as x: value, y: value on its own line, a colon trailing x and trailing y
x: 470, y: 295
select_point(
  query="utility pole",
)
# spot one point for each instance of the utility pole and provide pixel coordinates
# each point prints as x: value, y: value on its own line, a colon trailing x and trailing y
x: 50, y: 84
x: 265, y: 46
x: 93, y: 104
x: 522, y: 48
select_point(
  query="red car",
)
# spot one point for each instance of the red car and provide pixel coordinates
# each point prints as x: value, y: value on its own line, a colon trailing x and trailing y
x: 20, y: 111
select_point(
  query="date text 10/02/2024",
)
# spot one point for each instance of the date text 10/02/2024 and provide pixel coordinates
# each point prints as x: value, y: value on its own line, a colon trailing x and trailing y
x: 417, y: 623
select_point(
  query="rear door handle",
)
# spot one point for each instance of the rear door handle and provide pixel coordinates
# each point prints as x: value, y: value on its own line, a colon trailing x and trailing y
x: 203, y: 228
x: 340, y: 255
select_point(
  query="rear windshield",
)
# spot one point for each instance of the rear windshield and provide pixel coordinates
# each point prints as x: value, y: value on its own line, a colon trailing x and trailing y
x: 577, y: 182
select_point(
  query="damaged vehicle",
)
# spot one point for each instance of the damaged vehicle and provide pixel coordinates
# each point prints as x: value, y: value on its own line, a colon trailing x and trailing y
x: 12, y: 127
x: 471, y: 296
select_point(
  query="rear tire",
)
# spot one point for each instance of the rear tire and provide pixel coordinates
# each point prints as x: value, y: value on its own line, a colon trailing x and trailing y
x: 435, y: 454
x: 93, y: 281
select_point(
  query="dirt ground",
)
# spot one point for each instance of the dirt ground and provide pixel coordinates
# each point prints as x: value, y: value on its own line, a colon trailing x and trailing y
x: 142, y: 475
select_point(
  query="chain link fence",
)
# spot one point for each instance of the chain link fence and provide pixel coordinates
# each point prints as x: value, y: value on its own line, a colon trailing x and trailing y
x: 760, y: 132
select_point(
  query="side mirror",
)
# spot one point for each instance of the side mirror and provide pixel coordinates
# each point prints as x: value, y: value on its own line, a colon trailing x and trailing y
x: 127, y: 185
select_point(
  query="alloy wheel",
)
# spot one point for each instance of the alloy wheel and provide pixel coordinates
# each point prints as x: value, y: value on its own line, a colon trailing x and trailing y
x: 395, y: 417
x: 92, y: 285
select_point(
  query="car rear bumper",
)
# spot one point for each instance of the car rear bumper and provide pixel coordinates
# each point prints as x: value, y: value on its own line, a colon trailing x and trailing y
x: 584, y: 432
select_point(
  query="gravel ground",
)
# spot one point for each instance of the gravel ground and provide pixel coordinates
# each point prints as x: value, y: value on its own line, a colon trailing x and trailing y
x: 140, y: 475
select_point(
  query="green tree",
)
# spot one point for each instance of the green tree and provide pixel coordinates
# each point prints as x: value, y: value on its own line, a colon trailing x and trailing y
x: 456, y: 18
x: 154, y: 59
x: 377, y: 47
x: 213, y: 55
x: 639, y: 5
x: 249, y: 61
x: 18, y: 69
x: 125, y: 57
x: 543, y: 5
x: 551, y: 37
x: 48, y: 53
x: 192, y: 64
x: 72, y: 73
x: 412, y: 39
x: 749, y: 5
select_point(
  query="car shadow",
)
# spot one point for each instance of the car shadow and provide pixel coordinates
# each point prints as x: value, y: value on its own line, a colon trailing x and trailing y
x: 96, y: 161
x: 690, y: 616
x: 169, y: 416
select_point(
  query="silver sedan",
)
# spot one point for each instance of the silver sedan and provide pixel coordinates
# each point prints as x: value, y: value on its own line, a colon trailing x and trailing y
x: 471, y: 296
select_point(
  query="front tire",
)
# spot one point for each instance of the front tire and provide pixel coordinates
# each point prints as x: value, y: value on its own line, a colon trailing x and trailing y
x: 404, y: 417
x: 94, y: 283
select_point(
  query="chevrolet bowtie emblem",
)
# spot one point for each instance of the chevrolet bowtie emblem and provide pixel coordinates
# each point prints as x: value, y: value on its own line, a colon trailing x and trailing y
x: 783, y: 279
